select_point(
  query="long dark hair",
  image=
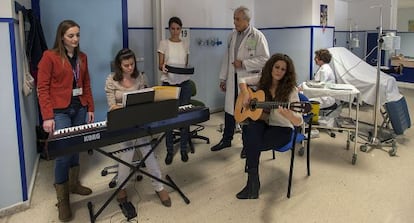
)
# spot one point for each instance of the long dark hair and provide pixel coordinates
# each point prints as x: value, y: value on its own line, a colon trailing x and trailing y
x: 60, y: 32
x: 176, y: 20
x: 286, y: 85
x: 124, y: 54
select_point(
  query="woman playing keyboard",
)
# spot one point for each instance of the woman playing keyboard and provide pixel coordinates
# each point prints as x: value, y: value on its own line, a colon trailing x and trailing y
x: 124, y: 79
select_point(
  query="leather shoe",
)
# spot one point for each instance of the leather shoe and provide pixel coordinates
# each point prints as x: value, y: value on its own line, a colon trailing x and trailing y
x: 184, y: 156
x: 169, y: 158
x: 164, y: 198
x: 221, y: 145
x: 243, y: 153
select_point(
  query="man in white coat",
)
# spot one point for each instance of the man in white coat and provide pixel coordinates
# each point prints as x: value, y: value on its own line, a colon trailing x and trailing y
x: 247, y: 53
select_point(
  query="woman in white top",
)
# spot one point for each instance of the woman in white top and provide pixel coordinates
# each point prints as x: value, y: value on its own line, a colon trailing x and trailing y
x: 174, y: 51
x: 127, y: 78
x: 274, y: 128
x: 324, y: 74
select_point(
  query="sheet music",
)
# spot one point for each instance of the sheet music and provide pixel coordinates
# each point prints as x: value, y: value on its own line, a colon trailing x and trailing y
x: 125, y: 95
x: 166, y: 92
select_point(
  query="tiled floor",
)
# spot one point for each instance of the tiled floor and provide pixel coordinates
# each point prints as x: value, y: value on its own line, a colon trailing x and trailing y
x: 379, y: 188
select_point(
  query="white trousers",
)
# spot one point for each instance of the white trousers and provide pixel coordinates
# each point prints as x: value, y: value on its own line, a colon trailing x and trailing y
x: 150, y: 163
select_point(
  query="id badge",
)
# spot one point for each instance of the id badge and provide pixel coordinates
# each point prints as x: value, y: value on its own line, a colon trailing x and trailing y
x: 77, y: 92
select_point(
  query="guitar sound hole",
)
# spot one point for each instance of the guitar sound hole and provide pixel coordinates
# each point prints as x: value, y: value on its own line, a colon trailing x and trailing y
x: 253, y: 104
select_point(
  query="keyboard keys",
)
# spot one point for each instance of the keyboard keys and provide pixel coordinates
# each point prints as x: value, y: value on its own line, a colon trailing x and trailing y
x: 76, y: 129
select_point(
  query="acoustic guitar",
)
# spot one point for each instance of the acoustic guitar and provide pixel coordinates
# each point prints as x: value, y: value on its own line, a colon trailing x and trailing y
x: 257, y: 104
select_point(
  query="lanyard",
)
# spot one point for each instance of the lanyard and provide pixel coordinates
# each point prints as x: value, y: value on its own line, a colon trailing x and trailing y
x: 76, y: 72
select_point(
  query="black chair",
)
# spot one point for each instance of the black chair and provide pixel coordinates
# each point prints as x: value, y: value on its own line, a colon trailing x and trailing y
x: 396, y: 120
x: 300, y: 134
x: 195, y: 128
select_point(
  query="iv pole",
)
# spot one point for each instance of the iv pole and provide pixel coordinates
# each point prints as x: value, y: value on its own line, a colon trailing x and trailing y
x: 374, y: 139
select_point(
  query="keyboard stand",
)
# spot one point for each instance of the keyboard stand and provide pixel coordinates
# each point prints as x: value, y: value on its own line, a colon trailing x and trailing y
x: 106, y: 170
x: 93, y: 216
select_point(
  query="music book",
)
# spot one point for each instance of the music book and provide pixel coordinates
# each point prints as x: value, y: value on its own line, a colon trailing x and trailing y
x: 166, y: 92
x: 145, y: 95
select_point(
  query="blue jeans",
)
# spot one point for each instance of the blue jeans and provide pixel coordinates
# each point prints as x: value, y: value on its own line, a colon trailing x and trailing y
x: 185, y: 96
x: 260, y: 137
x: 229, y: 126
x: 72, y: 116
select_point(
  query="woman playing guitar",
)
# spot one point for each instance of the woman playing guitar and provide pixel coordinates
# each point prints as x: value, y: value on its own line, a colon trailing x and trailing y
x: 274, y: 126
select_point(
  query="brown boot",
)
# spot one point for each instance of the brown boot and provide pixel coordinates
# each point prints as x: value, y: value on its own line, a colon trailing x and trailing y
x: 122, y: 196
x: 74, y: 183
x: 62, y: 194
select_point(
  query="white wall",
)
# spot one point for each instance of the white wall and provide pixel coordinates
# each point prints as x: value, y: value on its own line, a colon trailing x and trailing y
x: 290, y: 13
x: 404, y: 15
x: 211, y: 14
x: 341, y: 16
x: 316, y: 12
x: 5, y: 9
x: 366, y: 14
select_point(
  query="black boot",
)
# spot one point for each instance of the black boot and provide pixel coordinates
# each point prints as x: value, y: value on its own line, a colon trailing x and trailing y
x: 251, y: 190
x: 243, y: 153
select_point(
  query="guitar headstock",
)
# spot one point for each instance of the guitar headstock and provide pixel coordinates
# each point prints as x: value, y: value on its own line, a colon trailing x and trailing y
x: 301, y: 106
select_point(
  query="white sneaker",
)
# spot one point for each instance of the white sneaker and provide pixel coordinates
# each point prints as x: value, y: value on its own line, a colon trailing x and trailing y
x: 314, y: 133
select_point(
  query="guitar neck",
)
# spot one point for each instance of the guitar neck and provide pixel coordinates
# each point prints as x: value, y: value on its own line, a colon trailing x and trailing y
x: 271, y: 104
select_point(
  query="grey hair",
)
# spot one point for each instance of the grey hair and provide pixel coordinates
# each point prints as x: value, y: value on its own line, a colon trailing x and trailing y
x: 245, y: 11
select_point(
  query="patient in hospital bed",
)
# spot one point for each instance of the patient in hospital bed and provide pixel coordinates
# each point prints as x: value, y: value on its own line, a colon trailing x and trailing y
x: 325, y: 75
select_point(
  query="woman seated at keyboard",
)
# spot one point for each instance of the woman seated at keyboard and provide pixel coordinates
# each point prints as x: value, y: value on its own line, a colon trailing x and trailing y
x: 126, y: 78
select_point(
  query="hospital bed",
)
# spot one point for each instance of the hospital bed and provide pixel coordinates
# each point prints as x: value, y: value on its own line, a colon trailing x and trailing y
x: 350, y: 69
x: 340, y: 91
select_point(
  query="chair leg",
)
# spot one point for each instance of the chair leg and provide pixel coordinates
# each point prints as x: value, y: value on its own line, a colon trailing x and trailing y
x: 308, y: 150
x: 196, y: 136
x: 292, y: 159
x: 308, y: 157
x: 190, y: 143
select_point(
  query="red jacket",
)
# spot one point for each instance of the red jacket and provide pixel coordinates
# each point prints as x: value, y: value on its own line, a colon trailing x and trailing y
x: 55, y: 81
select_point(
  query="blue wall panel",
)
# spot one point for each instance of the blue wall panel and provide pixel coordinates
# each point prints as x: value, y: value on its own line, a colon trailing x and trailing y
x: 11, y: 191
x: 101, y: 37
x: 294, y: 42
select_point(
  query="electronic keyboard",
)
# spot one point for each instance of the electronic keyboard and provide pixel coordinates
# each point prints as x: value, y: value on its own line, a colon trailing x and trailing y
x: 95, y: 135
